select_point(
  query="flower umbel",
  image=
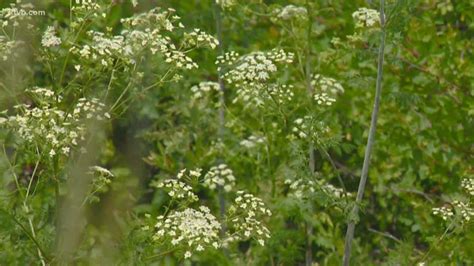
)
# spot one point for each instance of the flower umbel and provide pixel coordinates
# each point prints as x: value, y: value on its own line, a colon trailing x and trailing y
x: 193, y: 230
x: 220, y: 175
x: 245, y: 216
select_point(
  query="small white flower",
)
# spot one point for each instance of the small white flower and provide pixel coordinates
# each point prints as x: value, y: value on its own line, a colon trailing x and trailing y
x: 187, y: 255
x: 220, y: 175
x: 291, y: 11
x: 49, y: 38
x: 65, y: 150
x: 366, y: 17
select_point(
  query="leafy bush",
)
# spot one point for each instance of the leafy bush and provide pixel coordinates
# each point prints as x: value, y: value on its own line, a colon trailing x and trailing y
x: 232, y: 132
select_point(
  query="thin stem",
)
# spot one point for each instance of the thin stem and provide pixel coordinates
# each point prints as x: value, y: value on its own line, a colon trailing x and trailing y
x: 370, y: 142
x: 63, y: 69
x: 40, y: 252
x: 218, y: 18
x: 31, y: 178
x: 161, y: 254
x: 23, y: 228
x: 109, y: 85
x: 32, y: 236
x: 220, y: 133
x: 311, y: 162
x: 325, y: 153
x: 438, y: 241
x: 12, y: 169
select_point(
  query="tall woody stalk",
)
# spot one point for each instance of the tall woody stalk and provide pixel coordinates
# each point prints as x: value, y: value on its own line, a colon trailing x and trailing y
x: 218, y: 18
x: 311, y: 163
x: 370, y: 141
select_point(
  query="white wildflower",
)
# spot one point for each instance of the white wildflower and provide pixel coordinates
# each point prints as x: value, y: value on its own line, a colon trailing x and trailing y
x: 292, y: 12
x: 445, y: 212
x: 246, y: 214
x: 101, y: 171
x: 47, y: 126
x: 468, y: 185
x: 255, y: 67
x: 252, y: 141
x: 194, y: 230
x: 220, y: 175
x: 366, y: 17
x: 204, y: 88
x: 226, y: 3
x: 323, y: 99
x: 187, y: 255
x: 49, y: 38
x: 326, y: 85
x: 316, y: 130
x: 177, y: 188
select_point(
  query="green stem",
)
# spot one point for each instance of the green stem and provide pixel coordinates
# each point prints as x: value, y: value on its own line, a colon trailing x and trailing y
x: 27, y: 233
x: 370, y: 142
x: 311, y: 162
x: 218, y: 18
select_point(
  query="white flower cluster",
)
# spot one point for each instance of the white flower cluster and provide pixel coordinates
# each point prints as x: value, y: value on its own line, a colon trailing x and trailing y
x: 292, y: 12
x: 49, y: 38
x: 226, y: 3
x: 103, y: 48
x: 200, y: 38
x: 366, y: 17
x: 260, y: 93
x: 468, y: 185
x: 254, y: 68
x: 251, y: 74
x: 85, y: 5
x: 324, y: 99
x: 305, y: 127
x: 177, y: 188
x: 462, y: 209
x: 220, y: 175
x: 48, y: 127
x: 252, y: 141
x: 245, y: 215
x: 326, y: 85
x: 194, y: 230
x: 151, y: 31
x: 444, y: 212
x: 332, y: 190
x: 101, y: 171
x: 100, y: 183
x: 228, y: 58
x: 15, y: 14
x: 300, y: 188
x: 204, y: 88
x: 326, y: 90
x: 280, y: 93
x: 148, y: 29
x: 301, y: 127
x: 7, y: 48
x: 303, y: 188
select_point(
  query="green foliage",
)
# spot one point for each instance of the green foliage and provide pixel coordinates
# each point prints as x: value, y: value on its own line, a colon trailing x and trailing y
x: 298, y: 95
